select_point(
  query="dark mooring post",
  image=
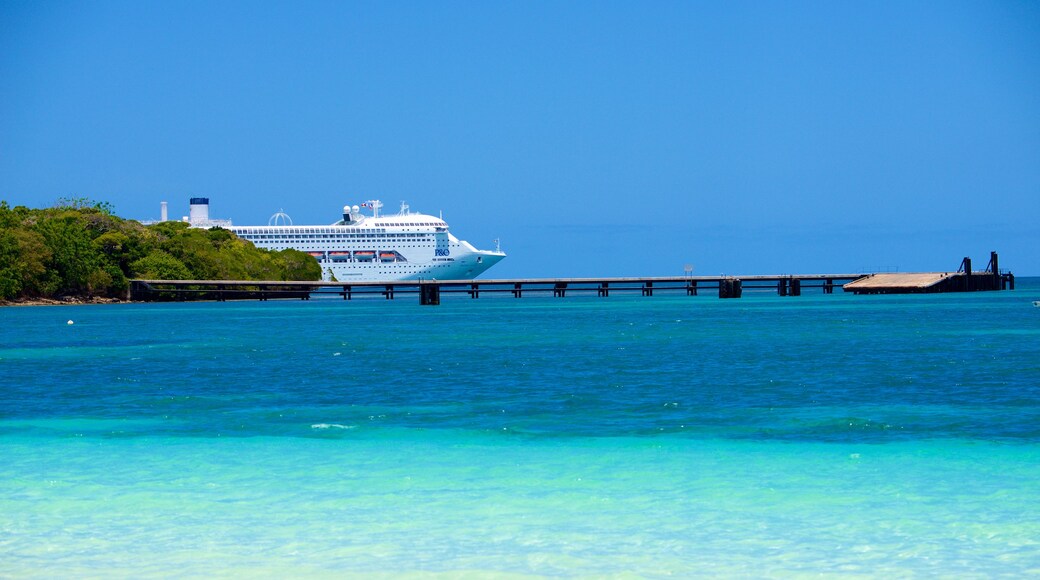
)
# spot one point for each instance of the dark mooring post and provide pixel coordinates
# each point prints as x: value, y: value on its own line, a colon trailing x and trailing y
x: 429, y: 294
x: 796, y: 287
x: 730, y: 288
x: 966, y: 265
x: 994, y: 270
x: 781, y: 287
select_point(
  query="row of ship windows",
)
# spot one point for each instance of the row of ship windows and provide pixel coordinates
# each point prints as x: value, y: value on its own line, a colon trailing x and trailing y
x: 413, y: 224
x: 323, y: 247
x: 306, y: 231
x: 311, y: 231
x: 298, y: 238
x: 356, y: 265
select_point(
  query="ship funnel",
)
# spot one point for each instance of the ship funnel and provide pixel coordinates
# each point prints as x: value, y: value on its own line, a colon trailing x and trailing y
x: 198, y: 212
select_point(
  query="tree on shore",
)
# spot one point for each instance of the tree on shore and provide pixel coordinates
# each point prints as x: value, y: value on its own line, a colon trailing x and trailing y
x: 81, y: 248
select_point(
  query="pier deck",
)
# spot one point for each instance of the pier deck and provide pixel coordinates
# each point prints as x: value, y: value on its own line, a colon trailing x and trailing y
x: 906, y: 282
x: 963, y: 280
x: 430, y: 291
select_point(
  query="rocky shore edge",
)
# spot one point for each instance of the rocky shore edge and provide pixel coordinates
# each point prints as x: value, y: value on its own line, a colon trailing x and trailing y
x: 63, y: 301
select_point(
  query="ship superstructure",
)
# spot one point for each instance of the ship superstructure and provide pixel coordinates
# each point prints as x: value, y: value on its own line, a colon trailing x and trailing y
x: 405, y: 246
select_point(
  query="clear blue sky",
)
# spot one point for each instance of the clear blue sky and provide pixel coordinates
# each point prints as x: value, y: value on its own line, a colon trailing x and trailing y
x: 593, y: 138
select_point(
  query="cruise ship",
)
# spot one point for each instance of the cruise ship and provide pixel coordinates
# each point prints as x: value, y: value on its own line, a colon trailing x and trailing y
x: 405, y: 246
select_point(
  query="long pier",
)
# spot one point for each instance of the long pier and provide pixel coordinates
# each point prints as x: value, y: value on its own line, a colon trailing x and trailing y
x: 430, y: 291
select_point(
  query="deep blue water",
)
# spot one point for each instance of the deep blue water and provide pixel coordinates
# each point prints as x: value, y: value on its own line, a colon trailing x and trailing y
x: 656, y: 436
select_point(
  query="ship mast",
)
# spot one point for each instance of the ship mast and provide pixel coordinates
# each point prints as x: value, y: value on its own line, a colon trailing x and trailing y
x: 375, y: 204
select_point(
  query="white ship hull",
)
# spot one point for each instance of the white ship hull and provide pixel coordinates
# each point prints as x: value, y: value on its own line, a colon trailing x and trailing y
x: 407, y: 246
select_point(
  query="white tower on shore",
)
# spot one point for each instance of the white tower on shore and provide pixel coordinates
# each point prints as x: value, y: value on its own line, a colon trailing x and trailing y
x: 162, y: 212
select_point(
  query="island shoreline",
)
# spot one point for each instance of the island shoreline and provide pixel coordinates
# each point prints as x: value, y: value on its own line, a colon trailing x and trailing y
x: 64, y: 301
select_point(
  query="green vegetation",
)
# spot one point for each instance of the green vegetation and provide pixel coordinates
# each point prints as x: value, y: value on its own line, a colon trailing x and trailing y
x: 80, y: 248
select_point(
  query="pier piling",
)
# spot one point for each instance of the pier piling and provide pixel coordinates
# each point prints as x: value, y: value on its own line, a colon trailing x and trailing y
x: 429, y: 294
x: 730, y: 288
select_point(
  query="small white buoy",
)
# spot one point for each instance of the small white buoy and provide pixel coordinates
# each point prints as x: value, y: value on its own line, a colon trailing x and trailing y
x: 70, y: 322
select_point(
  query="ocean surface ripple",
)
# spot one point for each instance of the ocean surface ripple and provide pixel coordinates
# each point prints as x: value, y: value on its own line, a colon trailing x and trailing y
x: 656, y: 436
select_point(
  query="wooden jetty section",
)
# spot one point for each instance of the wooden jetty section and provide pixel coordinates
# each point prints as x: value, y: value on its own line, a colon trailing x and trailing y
x: 430, y: 291
x: 898, y: 283
x: 963, y: 280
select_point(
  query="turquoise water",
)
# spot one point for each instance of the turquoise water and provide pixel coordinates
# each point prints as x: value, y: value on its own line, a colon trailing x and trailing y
x: 582, y: 436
